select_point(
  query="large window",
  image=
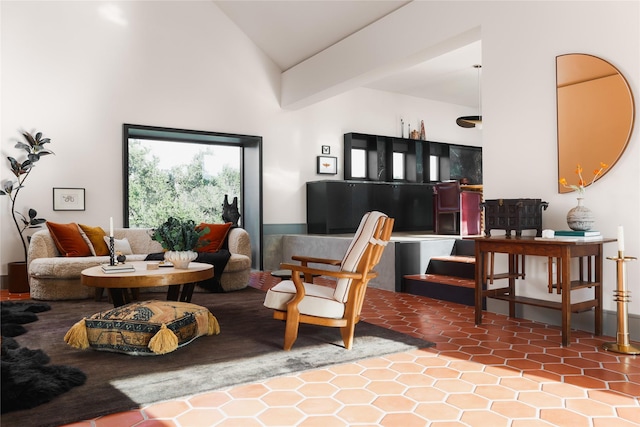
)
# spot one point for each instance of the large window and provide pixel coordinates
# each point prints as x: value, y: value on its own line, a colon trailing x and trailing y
x: 187, y: 174
x: 180, y: 179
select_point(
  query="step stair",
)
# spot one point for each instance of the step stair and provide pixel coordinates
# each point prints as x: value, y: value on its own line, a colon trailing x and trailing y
x: 448, y: 277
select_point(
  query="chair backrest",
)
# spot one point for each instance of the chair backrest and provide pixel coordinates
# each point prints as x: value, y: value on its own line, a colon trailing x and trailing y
x: 448, y: 196
x: 365, y: 249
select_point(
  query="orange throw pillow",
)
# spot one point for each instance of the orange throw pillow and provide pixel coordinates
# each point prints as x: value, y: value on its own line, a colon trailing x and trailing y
x: 213, y: 240
x: 95, y: 235
x: 68, y: 239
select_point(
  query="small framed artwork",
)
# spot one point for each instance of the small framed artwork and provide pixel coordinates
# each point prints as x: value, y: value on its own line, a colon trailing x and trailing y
x: 68, y: 199
x: 326, y: 150
x: 327, y: 165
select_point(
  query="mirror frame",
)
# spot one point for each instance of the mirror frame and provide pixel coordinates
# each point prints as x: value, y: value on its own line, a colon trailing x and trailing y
x: 580, y: 77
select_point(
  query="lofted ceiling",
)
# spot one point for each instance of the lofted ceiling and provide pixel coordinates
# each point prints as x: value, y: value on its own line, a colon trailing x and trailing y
x: 289, y: 32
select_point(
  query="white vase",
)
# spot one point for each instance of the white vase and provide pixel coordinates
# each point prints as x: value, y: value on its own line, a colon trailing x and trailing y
x: 180, y: 259
x: 580, y: 218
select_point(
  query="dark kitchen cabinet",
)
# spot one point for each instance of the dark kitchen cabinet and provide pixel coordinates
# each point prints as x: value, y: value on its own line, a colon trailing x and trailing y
x: 337, y: 206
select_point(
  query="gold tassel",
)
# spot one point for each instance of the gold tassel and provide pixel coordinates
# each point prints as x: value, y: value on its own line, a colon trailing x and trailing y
x: 77, y: 335
x: 214, y: 326
x: 165, y: 341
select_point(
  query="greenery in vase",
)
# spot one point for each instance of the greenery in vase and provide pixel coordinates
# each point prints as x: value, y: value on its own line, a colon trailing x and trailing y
x: 178, y: 235
x: 35, y: 149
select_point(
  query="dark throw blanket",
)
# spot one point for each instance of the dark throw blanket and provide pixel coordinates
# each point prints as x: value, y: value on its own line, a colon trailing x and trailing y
x: 217, y: 259
x: 27, y: 379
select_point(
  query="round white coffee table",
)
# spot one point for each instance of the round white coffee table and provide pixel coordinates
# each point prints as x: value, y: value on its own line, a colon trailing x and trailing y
x: 119, y: 283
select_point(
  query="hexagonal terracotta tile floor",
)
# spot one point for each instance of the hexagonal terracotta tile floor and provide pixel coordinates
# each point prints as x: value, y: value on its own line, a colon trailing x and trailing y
x: 504, y: 373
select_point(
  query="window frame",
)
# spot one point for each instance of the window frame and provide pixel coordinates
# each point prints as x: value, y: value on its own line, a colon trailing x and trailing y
x: 250, y: 172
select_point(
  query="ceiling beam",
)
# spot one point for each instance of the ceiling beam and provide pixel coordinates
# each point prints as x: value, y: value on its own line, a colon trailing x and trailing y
x: 412, y: 34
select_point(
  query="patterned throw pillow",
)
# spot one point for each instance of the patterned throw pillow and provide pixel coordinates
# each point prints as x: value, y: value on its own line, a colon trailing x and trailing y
x: 143, y: 328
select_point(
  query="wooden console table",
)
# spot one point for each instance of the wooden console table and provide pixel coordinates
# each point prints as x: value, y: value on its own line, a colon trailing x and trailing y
x: 559, y: 251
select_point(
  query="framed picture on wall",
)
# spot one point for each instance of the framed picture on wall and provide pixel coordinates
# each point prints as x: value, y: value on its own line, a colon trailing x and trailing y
x: 327, y: 165
x: 68, y: 199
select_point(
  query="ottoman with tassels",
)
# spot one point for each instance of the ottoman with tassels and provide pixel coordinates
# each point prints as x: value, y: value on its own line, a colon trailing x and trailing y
x: 143, y: 328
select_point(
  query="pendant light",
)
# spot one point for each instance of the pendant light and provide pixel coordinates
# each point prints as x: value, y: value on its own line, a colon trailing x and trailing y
x: 473, y: 121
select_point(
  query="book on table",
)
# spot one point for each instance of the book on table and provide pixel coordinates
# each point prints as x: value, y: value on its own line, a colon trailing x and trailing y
x: 577, y: 238
x: 117, y: 268
x: 577, y: 233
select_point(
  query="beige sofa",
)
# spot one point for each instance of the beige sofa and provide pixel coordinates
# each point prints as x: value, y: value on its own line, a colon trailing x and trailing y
x: 52, y: 277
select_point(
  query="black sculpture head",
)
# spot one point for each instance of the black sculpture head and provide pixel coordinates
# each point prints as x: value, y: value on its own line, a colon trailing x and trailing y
x: 230, y: 212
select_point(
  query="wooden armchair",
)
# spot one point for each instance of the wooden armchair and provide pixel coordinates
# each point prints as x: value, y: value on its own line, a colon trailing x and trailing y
x: 298, y: 302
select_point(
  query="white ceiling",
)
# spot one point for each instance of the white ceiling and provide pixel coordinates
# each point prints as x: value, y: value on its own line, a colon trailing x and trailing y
x: 289, y: 32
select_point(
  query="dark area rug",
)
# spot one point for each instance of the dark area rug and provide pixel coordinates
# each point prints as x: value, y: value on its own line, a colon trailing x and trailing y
x: 248, y: 349
x: 27, y: 378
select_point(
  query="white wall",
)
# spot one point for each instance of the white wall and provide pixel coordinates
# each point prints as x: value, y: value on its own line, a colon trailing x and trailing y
x: 76, y: 76
x: 520, y: 40
x: 520, y: 155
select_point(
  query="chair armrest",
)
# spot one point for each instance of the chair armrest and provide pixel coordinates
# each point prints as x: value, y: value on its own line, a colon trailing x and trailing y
x: 307, y: 259
x: 320, y: 272
x: 239, y: 242
x: 41, y: 245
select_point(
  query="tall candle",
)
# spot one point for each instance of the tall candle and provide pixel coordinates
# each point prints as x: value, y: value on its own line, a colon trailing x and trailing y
x: 620, y: 239
x: 111, y: 227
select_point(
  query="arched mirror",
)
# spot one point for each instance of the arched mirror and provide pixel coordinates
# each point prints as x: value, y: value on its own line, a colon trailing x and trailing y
x: 595, y: 115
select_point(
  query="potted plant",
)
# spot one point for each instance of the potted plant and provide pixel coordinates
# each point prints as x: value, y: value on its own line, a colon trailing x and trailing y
x: 34, y: 146
x: 179, y: 238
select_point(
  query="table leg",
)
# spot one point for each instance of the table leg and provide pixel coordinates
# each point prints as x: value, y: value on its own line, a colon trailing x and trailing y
x: 480, y: 274
x: 173, y: 292
x: 513, y: 271
x: 187, y: 292
x: 566, y: 297
x: 118, y: 296
x: 598, y: 293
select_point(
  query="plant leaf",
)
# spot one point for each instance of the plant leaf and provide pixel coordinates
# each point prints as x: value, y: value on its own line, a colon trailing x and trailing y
x: 29, y: 138
x: 7, y: 187
x: 23, y: 146
x: 36, y: 222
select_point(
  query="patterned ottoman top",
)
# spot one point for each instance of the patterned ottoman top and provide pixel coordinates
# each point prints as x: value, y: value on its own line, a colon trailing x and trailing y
x: 143, y: 328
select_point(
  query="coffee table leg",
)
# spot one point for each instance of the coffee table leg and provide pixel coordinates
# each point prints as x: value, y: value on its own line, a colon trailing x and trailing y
x: 187, y: 292
x: 173, y: 293
x: 117, y: 296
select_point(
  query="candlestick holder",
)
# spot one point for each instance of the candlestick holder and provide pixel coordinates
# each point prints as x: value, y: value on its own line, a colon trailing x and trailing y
x: 112, y: 260
x: 621, y: 296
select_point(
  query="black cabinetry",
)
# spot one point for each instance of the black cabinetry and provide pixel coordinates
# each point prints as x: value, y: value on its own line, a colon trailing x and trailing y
x: 378, y: 152
x: 422, y: 161
x: 334, y: 206
x: 337, y: 206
